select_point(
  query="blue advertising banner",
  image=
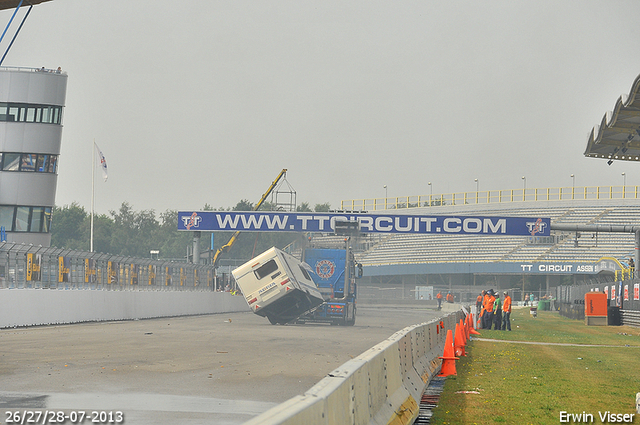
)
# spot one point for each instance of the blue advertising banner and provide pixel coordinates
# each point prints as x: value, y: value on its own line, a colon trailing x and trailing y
x: 369, y: 223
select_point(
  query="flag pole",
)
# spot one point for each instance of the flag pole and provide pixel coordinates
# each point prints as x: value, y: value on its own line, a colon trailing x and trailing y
x: 93, y: 184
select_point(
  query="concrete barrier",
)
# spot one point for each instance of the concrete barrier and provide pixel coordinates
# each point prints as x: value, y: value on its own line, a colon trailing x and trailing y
x: 383, y: 385
x: 29, y: 307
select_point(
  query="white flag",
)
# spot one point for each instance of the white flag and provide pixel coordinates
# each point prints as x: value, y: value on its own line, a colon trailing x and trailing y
x: 102, y: 162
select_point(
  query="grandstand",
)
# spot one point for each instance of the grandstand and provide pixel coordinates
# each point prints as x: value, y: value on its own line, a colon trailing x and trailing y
x: 456, y: 261
x: 560, y: 247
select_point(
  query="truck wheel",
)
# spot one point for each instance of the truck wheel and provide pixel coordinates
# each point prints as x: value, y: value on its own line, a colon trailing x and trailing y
x: 352, y: 320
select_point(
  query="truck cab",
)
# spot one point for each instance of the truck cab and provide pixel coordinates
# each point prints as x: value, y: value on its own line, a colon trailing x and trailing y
x: 335, y: 273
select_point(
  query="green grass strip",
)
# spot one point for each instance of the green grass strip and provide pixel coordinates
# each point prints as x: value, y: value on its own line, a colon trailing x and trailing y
x: 506, y: 381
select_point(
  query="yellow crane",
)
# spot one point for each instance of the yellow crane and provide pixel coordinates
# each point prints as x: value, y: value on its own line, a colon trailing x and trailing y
x: 227, y: 246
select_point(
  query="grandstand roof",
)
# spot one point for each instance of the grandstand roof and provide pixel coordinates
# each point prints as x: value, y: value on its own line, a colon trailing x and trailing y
x: 10, y: 4
x: 618, y: 135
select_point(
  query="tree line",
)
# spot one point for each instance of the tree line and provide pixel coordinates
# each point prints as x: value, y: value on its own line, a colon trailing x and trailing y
x: 135, y: 233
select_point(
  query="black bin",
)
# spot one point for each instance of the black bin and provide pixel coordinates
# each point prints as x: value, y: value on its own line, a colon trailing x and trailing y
x: 613, y: 314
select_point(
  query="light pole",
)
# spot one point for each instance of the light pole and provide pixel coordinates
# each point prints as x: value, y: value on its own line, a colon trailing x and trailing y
x: 385, y: 196
x: 524, y: 187
x: 430, y: 192
x: 477, y: 188
x: 624, y: 182
x: 573, y: 185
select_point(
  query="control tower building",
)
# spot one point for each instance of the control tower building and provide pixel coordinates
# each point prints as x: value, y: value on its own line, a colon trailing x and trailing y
x: 31, y: 109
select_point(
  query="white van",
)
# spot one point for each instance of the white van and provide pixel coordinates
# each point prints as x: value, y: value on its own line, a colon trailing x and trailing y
x: 278, y: 286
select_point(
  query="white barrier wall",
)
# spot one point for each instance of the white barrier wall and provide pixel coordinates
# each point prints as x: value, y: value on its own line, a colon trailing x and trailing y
x: 28, y: 307
x: 381, y: 386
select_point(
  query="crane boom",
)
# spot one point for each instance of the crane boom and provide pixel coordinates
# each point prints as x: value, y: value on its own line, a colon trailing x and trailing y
x: 234, y: 237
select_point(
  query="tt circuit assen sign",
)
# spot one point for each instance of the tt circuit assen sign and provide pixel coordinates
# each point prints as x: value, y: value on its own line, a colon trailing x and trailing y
x: 213, y: 221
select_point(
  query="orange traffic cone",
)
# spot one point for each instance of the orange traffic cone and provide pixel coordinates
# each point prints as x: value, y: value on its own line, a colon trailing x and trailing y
x: 470, y: 327
x: 466, y: 330
x: 448, y: 359
x: 458, y: 341
x: 465, y: 334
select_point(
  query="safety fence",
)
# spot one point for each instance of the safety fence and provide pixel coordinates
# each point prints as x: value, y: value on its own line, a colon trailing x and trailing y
x: 383, y: 385
x: 585, y: 193
x: 624, y: 294
x: 623, y: 299
x: 28, y: 266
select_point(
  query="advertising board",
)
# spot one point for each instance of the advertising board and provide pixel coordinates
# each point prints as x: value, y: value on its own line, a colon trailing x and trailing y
x: 369, y: 223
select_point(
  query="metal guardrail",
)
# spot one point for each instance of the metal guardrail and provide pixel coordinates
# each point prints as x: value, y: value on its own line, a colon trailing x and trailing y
x: 631, y: 318
x: 28, y: 266
x: 584, y: 193
x: 30, y: 69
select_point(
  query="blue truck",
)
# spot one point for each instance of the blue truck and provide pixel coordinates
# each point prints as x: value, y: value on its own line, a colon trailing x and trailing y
x: 335, y: 274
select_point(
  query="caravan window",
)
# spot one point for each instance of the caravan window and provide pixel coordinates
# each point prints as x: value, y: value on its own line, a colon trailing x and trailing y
x: 304, y: 272
x: 266, y: 269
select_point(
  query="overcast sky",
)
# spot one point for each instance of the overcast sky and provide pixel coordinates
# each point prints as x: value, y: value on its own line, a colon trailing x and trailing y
x: 206, y: 101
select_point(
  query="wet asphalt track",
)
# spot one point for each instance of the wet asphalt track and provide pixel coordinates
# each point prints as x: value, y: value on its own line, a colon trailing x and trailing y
x: 215, y: 369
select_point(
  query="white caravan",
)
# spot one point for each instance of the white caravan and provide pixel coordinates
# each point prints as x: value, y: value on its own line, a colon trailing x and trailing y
x: 278, y: 286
